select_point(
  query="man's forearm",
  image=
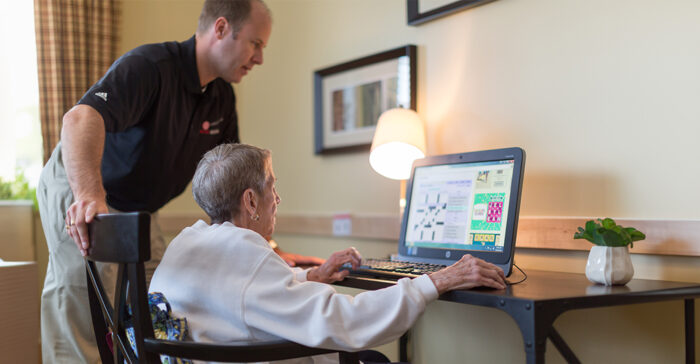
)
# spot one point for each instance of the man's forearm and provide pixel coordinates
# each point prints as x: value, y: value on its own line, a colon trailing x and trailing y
x: 82, y: 139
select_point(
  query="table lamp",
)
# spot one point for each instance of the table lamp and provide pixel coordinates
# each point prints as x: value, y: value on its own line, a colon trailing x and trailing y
x: 399, y: 139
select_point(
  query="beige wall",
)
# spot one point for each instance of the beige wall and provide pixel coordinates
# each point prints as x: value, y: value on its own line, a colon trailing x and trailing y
x: 601, y: 95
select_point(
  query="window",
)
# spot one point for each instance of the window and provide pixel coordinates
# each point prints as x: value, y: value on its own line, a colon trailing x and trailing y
x: 20, y: 134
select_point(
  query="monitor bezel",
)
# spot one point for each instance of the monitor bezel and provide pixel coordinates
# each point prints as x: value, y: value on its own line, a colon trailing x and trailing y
x: 504, y: 258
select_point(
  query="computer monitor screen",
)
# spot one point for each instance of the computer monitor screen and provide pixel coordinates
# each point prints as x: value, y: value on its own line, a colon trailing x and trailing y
x: 464, y: 203
x: 460, y: 206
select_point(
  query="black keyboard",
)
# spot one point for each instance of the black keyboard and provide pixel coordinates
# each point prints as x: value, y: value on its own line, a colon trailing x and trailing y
x: 385, y: 268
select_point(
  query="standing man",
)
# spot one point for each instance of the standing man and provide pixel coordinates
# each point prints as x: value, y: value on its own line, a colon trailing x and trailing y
x: 133, y: 143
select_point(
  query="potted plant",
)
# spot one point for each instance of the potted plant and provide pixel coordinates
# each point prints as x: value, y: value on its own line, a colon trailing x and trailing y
x: 609, y: 261
x: 17, y: 189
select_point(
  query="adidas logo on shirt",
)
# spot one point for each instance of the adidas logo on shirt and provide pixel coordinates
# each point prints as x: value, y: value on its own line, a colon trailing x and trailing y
x: 102, y: 95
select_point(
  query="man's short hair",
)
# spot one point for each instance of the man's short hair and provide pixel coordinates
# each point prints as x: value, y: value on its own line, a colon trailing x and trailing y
x: 222, y: 176
x: 236, y: 13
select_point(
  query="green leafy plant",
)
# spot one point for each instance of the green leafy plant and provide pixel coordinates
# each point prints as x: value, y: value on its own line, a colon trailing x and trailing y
x: 17, y: 189
x: 606, y: 232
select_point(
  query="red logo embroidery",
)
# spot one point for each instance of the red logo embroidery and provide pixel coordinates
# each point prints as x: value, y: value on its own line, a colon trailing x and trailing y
x: 205, y: 128
x: 210, y: 128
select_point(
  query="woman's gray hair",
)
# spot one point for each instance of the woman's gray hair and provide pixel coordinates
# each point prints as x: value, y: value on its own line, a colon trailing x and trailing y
x: 222, y: 176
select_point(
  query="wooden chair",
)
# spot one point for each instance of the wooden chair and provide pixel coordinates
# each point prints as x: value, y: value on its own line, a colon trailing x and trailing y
x: 124, y: 239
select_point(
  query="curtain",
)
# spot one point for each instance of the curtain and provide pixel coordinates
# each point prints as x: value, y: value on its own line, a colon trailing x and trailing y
x: 76, y: 43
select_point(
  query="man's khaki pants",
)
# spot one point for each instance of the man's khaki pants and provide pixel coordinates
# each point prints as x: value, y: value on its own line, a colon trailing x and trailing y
x: 66, y: 326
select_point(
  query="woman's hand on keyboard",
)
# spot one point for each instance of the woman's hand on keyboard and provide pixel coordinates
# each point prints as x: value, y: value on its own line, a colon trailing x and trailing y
x: 329, y: 272
x: 468, y: 272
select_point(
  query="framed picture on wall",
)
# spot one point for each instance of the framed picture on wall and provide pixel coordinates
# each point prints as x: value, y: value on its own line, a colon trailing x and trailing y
x: 349, y: 97
x: 421, y: 11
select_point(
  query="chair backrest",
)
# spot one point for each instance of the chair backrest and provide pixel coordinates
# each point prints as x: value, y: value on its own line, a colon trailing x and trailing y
x: 124, y: 239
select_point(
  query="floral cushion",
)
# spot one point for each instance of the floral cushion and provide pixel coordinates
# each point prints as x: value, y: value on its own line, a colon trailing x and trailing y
x: 165, y: 326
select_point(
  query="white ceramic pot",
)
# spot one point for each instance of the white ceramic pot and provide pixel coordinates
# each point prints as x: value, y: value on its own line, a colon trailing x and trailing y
x: 609, y: 265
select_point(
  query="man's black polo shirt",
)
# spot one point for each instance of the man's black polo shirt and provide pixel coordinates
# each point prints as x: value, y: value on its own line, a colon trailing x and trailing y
x: 158, y: 123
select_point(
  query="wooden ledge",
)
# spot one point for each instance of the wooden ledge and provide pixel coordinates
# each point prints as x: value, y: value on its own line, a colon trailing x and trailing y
x: 664, y: 237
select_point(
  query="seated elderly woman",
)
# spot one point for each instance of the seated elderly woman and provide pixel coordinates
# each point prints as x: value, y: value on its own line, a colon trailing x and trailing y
x: 231, y: 286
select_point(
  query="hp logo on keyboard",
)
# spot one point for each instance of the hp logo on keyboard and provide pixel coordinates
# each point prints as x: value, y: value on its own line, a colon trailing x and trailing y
x: 447, y: 254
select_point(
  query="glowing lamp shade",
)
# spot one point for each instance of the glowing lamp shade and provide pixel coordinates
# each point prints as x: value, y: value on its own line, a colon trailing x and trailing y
x: 399, y: 139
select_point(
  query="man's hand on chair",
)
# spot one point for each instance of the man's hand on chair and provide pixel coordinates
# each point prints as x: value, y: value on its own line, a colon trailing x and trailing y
x: 79, y: 214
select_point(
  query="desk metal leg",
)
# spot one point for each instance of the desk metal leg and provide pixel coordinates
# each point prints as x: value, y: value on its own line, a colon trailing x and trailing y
x: 563, y: 348
x: 690, y: 331
x: 534, y: 338
x: 535, y: 322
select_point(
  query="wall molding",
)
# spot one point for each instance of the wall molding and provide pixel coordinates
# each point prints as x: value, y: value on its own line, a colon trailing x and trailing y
x: 664, y: 237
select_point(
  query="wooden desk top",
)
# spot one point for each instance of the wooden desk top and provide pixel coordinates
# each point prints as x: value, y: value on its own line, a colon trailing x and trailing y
x: 545, y: 286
